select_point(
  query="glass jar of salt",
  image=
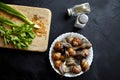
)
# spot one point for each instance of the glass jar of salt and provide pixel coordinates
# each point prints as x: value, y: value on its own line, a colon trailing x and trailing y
x: 81, y: 21
x: 78, y: 9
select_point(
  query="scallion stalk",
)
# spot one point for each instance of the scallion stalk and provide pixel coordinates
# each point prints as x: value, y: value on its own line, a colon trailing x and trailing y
x: 12, y: 11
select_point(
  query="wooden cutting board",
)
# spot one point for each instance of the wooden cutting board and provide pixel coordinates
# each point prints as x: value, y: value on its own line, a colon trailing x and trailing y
x: 40, y: 43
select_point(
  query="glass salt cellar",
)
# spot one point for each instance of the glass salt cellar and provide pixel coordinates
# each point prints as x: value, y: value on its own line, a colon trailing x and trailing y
x: 81, y: 21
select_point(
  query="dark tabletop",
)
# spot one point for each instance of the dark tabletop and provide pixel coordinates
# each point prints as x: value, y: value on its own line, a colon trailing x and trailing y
x: 102, y: 29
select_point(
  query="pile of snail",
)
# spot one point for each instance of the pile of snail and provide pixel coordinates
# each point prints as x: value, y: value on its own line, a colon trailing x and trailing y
x: 70, y: 55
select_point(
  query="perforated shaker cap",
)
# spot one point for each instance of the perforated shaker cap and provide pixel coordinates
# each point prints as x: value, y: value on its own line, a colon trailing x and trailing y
x: 83, y: 18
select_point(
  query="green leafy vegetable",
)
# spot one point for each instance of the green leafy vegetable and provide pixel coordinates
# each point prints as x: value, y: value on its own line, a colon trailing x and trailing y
x: 14, y: 12
x: 20, y: 36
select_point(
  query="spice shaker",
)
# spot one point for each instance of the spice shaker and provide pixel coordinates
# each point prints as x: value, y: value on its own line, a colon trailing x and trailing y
x: 78, y: 9
x: 81, y: 21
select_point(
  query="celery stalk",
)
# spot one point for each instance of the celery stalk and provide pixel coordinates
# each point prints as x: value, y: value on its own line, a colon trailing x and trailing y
x: 20, y: 36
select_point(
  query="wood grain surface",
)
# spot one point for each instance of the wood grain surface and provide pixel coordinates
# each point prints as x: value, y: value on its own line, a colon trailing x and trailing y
x: 40, y: 43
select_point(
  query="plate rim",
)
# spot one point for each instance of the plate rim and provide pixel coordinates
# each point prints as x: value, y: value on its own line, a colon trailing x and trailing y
x: 90, y: 58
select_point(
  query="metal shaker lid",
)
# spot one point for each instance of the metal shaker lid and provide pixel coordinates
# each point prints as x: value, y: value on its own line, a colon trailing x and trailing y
x: 83, y: 18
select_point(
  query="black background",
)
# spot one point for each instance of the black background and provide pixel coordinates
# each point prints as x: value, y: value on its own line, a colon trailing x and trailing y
x: 102, y: 29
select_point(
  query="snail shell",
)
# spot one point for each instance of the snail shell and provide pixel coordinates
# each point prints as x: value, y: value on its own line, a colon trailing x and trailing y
x: 58, y: 46
x: 71, y: 51
x: 76, y: 41
x: 84, y: 65
x: 56, y: 56
x: 57, y: 63
x: 85, y: 45
x: 85, y: 53
x: 76, y: 69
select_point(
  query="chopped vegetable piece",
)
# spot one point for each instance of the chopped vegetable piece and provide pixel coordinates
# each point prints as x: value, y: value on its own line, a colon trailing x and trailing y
x: 20, y: 36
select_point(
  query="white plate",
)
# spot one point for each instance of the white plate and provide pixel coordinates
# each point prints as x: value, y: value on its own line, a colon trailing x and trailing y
x: 61, y: 37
